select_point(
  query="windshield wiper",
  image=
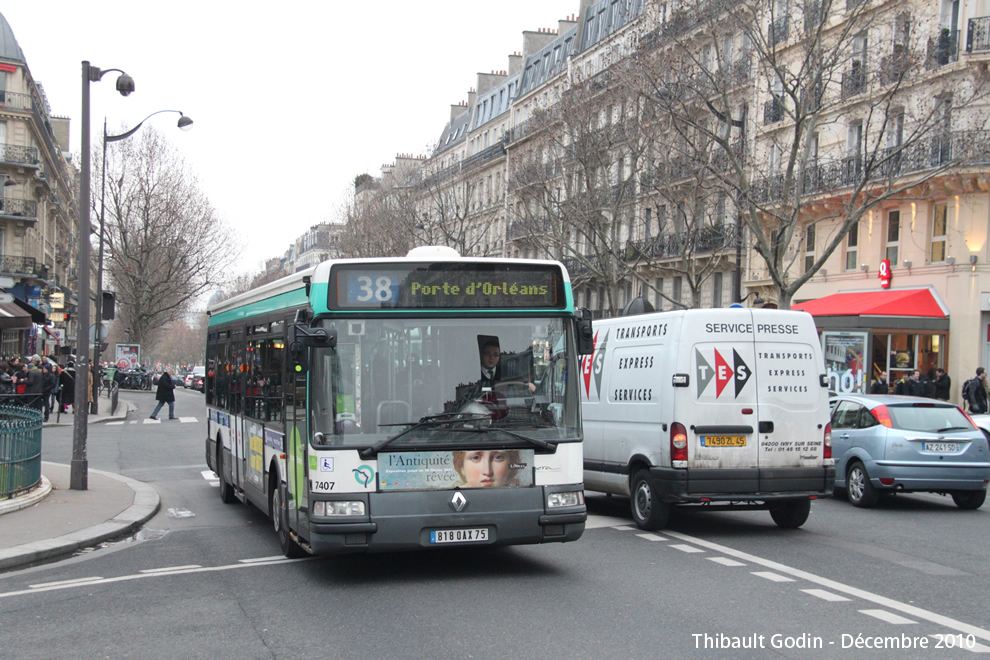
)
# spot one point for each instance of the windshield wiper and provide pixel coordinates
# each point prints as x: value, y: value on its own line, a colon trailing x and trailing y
x: 954, y: 428
x: 430, y: 421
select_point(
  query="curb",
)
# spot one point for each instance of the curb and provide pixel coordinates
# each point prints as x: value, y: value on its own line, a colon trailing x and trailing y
x: 123, y: 407
x: 30, y: 498
x: 146, y: 504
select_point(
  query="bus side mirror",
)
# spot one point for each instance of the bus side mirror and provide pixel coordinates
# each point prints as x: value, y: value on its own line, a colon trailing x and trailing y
x: 585, y: 335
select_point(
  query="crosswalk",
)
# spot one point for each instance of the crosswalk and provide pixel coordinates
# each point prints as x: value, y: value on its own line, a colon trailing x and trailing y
x: 181, y: 420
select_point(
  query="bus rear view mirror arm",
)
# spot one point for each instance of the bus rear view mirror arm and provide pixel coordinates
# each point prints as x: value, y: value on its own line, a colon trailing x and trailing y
x: 585, y: 334
x: 300, y: 336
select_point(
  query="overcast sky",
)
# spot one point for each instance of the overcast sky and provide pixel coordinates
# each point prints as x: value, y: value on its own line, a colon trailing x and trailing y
x: 291, y: 100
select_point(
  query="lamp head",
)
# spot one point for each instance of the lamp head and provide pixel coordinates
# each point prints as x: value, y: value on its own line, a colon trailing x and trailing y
x: 185, y: 123
x: 125, y: 84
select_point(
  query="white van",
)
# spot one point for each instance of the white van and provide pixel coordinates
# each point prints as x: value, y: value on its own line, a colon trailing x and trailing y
x: 724, y: 408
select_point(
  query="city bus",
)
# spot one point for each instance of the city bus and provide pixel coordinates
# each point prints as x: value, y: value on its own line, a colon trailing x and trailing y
x: 347, y: 401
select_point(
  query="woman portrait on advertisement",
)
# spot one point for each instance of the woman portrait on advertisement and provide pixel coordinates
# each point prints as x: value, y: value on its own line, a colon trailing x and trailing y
x: 488, y: 469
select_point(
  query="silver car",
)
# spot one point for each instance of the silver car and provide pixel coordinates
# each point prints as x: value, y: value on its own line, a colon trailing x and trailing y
x: 887, y: 444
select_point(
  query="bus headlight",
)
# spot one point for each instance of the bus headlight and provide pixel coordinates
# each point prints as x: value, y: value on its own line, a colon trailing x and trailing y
x: 338, y: 508
x: 568, y: 498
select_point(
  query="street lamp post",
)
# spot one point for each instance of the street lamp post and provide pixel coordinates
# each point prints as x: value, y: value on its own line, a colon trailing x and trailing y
x: 185, y: 123
x: 78, y: 469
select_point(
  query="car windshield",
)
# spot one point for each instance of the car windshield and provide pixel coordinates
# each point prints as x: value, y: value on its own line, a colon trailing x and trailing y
x: 930, y: 418
x: 395, y: 382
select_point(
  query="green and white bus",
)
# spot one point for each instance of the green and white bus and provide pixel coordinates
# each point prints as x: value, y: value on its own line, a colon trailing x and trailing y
x: 347, y: 401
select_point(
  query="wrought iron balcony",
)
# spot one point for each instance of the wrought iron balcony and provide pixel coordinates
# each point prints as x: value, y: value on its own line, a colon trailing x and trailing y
x: 943, y: 48
x: 23, y: 209
x: 773, y: 111
x: 853, y: 81
x: 978, y: 35
x: 777, y: 32
x: 21, y: 266
x: 12, y: 153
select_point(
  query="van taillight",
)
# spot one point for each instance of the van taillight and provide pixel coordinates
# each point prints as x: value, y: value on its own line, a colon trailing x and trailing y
x: 882, y: 415
x: 827, y: 441
x: 678, y: 442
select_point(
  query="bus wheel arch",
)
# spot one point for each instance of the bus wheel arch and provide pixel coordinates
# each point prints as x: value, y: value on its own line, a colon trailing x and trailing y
x: 278, y: 510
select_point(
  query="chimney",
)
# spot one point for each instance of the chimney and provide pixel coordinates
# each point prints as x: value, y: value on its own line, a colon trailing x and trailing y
x: 567, y: 24
x: 515, y: 63
x: 533, y: 42
x: 457, y: 110
x: 472, y: 97
x: 487, y: 81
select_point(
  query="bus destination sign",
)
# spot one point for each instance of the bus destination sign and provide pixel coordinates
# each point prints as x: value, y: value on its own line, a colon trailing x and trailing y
x: 446, y: 286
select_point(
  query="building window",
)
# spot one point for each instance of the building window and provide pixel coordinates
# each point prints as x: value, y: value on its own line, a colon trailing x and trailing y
x: 677, y: 289
x: 717, y: 290
x: 937, y: 253
x: 809, y: 247
x: 893, y: 236
x: 657, y: 297
x: 852, y: 248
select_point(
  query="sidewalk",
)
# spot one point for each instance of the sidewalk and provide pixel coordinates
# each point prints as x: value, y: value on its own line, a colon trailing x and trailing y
x: 68, y: 419
x: 52, y: 520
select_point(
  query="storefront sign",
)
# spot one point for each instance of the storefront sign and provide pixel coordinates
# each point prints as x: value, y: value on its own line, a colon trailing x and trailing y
x: 884, y: 274
x: 845, y: 361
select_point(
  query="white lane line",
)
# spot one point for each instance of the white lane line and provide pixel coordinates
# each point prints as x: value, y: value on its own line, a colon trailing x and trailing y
x: 188, y: 420
x: 65, y: 583
x: 134, y: 422
x: 725, y: 561
x: 685, y: 548
x: 152, y: 421
x: 773, y: 577
x: 626, y: 528
x: 825, y: 595
x: 209, y: 475
x: 167, y: 569
x: 651, y: 537
x: 889, y: 617
x: 890, y: 603
x: 71, y: 584
x: 257, y: 559
x: 960, y: 642
x: 115, y: 423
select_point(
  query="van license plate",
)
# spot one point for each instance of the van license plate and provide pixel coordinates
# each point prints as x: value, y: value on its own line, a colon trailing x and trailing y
x: 723, y: 441
x: 942, y: 447
x: 478, y: 535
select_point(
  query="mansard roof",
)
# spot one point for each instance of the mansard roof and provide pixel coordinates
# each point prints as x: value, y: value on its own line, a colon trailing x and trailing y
x: 9, y: 48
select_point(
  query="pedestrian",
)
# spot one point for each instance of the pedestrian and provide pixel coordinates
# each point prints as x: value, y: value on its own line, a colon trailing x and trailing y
x: 67, y: 387
x: 880, y: 385
x: 915, y: 386
x: 975, y: 393
x: 165, y: 394
x: 34, y: 386
x: 943, y: 384
x: 49, y: 383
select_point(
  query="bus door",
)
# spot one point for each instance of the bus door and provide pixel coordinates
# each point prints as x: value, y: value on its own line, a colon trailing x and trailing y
x: 296, y: 440
x: 236, y: 375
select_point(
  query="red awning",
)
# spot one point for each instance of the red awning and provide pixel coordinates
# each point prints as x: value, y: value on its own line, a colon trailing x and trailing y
x: 897, y: 302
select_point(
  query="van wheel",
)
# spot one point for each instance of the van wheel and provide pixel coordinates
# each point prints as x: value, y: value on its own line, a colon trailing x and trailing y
x: 280, y: 521
x: 226, y: 490
x: 791, y: 515
x: 969, y: 499
x: 858, y: 487
x: 648, y: 511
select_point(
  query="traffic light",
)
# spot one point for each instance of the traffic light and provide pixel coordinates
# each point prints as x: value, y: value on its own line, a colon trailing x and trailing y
x: 108, y: 305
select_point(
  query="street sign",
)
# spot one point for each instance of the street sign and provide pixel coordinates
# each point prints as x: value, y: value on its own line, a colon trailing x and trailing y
x: 6, y: 298
x: 93, y: 330
x: 58, y: 301
x: 57, y: 317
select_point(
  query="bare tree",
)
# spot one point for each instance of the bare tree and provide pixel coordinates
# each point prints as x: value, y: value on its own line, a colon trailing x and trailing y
x: 165, y: 244
x: 840, y: 124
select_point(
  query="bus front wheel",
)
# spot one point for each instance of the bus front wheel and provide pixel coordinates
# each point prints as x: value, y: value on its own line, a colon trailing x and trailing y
x: 280, y: 520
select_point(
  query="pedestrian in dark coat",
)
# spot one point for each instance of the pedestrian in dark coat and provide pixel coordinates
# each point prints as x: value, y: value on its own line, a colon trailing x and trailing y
x: 67, y: 387
x: 49, y: 383
x: 943, y: 384
x: 165, y: 394
x: 35, y: 387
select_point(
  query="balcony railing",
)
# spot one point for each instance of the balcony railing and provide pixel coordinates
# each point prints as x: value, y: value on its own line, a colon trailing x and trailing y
x: 773, y: 111
x: 12, y: 153
x: 978, y: 35
x: 853, y: 81
x: 15, y: 100
x: 18, y: 265
x: 21, y: 208
x: 943, y: 49
x: 777, y: 32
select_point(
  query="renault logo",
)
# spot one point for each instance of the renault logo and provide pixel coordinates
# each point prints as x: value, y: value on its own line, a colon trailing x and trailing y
x: 458, y: 502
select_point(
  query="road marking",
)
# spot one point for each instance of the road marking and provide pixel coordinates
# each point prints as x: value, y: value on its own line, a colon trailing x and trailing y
x: 133, y: 422
x: 168, y: 569
x: 651, y: 537
x: 685, y: 548
x: 86, y: 582
x: 188, y: 420
x: 890, y: 603
x: 825, y: 595
x: 211, y: 477
x: 889, y: 617
x: 258, y: 559
x: 725, y: 561
x: 115, y: 423
x: 773, y: 577
x: 152, y: 421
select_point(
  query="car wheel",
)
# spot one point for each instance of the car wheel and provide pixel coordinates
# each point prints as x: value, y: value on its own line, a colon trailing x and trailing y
x: 860, y: 491
x: 648, y: 511
x: 791, y: 515
x: 226, y: 490
x: 280, y: 520
x: 969, y: 499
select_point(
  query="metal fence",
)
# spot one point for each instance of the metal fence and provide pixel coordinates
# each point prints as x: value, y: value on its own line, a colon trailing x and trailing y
x: 20, y: 449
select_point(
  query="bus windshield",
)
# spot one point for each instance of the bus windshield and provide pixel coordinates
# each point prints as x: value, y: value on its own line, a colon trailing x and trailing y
x: 416, y: 381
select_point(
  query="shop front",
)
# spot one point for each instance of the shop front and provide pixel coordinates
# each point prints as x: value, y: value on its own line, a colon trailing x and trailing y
x: 868, y: 333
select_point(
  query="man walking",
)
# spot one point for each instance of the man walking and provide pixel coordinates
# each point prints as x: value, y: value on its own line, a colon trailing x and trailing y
x: 943, y: 384
x: 165, y: 394
x: 975, y: 393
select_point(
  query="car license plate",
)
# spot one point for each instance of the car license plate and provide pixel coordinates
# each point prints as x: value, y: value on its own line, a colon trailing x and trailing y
x: 478, y: 535
x: 723, y: 441
x: 942, y: 447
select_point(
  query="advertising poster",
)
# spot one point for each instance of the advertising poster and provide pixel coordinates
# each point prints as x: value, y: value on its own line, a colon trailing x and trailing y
x: 845, y: 361
x: 447, y: 470
x: 128, y: 356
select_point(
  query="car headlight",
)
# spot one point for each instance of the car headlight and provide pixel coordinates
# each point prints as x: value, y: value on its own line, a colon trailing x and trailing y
x: 567, y: 498
x: 338, y: 508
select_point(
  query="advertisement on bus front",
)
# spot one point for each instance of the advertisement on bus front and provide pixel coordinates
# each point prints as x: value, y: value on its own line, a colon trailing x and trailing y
x: 128, y: 356
x: 443, y: 470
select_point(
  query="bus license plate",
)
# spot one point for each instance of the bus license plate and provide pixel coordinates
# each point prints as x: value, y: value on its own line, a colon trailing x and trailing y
x: 723, y: 441
x: 479, y: 535
x: 942, y: 447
